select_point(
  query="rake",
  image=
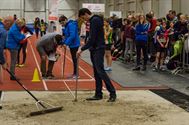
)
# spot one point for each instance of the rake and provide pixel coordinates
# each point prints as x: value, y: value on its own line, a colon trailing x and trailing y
x: 64, y: 62
x: 42, y: 106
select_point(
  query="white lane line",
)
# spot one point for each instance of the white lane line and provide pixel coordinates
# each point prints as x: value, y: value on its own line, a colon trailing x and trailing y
x: 81, y: 68
x: 68, y: 80
x: 43, y: 81
x: 2, y: 96
x: 69, y: 89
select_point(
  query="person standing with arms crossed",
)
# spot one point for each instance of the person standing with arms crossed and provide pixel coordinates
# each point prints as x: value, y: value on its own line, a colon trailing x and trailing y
x: 4, y: 26
x: 96, y: 45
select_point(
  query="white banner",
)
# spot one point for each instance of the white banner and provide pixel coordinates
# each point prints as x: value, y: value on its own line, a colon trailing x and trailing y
x: 94, y: 7
x: 53, y: 10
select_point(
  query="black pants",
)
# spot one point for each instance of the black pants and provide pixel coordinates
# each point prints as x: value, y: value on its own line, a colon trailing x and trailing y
x: 23, y: 47
x: 43, y: 67
x: 43, y: 33
x: 97, y: 58
x: 73, y: 52
x: 141, y: 45
x: 1, y: 94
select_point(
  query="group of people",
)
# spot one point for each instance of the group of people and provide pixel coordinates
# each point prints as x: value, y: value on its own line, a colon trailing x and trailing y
x: 49, y: 43
x: 40, y: 26
x: 148, y: 38
x: 13, y: 36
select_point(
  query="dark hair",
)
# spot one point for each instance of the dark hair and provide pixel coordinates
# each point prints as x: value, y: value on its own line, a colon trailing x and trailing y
x: 149, y: 16
x: 129, y: 22
x: 172, y: 12
x: 58, y: 38
x: 62, y: 18
x: 125, y: 19
x: 160, y: 20
x: 83, y: 11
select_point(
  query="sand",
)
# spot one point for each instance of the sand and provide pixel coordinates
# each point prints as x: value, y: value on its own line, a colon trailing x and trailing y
x: 131, y: 108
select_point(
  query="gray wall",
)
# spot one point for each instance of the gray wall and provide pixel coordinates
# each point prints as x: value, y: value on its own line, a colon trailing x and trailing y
x: 32, y: 8
x: 37, y: 8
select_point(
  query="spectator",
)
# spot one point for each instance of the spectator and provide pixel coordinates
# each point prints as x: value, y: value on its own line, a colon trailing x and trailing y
x: 43, y: 27
x: 141, y: 38
x: 151, y: 45
x: 37, y: 26
x: 129, y: 40
x: 108, y: 42
x: 162, y: 44
x: 23, y: 46
x: 13, y: 43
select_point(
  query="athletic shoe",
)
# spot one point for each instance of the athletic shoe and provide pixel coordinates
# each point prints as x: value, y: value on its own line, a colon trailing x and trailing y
x: 17, y: 65
x: 94, y: 98
x: 137, y: 68
x: 74, y: 77
x: 108, y: 69
x: 51, y: 76
x: 143, y: 68
x: 112, y: 99
x: 21, y: 65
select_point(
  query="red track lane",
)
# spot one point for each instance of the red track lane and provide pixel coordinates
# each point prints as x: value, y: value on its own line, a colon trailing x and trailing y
x: 85, y: 82
x: 25, y: 74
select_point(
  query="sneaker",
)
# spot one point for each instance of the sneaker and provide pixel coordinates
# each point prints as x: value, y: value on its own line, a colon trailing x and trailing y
x: 50, y: 76
x: 17, y: 65
x: 162, y: 68
x: 108, y: 69
x: 137, y: 68
x: 94, y: 98
x: 112, y: 99
x: 75, y: 76
x: 44, y: 77
x: 14, y: 79
x: 21, y: 65
x: 143, y: 68
x: 155, y: 69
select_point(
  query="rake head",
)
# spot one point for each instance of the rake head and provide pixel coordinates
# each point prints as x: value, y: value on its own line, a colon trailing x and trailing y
x: 45, y: 111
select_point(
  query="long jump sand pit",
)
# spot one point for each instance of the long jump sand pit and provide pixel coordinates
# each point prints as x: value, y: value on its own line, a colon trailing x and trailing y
x: 131, y: 108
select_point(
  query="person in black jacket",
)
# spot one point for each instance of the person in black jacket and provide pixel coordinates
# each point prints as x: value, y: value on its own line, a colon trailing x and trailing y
x: 96, y: 45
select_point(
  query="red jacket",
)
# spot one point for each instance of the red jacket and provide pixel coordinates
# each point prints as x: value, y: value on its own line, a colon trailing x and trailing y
x: 152, y: 25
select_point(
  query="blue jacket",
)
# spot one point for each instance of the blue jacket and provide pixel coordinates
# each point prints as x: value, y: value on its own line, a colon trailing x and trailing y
x: 141, y: 32
x: 71, y: 34
x: 3, y: 38
x: 14, y: 37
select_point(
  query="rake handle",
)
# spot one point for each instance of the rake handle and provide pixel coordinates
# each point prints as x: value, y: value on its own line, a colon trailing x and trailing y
x: 76, y: 80
x: 64, y: 61
x: 25, y: 88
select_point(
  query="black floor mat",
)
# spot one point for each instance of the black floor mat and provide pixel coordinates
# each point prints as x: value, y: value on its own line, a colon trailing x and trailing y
x: 174, y: 96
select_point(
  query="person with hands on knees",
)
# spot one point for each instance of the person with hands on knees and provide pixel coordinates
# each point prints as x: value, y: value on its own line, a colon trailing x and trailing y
x: 71, y: 39
x: 47, y: 46
x: 96, y: 45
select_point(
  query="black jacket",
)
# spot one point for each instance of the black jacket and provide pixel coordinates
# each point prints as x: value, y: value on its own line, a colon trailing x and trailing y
x: 96, y: 35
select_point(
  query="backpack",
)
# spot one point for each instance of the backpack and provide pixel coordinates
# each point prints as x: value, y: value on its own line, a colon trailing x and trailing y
x: 171, y: 65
